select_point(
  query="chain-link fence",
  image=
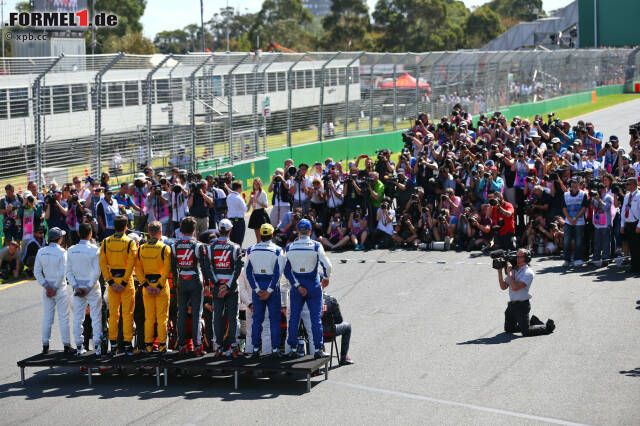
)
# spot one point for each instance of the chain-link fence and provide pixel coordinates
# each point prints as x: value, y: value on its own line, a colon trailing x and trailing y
x: 84, y: 115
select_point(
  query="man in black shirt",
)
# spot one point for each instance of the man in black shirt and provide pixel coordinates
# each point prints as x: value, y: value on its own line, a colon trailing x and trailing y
x: 334, y: 325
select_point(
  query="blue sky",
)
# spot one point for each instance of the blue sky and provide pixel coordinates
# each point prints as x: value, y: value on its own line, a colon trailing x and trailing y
x: 163, y: 14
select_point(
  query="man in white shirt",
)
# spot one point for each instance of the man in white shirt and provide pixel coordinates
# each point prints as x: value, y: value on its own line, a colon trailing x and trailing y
x: 333, y: 192
x: 236, y: 208
x: 630, y: 224
x: 518, y: 280
x: 300, y: 186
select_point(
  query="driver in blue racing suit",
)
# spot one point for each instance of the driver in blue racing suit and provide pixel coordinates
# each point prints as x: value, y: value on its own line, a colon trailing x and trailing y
x: 264, y: 267
x: 301, y: 269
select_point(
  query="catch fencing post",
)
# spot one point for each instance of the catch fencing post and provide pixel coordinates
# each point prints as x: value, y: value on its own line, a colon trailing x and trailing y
x: 97, y: 89
x: 321, y: 110
x: 289, y: 96
x: 150, y: 103
x: 192, y: 112
x: 230, y: 103
x: 346, y: 91
x: 37, y: 112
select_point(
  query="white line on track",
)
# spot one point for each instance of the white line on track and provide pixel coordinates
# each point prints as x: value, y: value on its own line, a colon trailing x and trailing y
x: 457, y: 404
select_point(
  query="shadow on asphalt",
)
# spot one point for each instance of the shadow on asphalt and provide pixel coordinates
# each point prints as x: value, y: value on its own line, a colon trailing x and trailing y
x: 495, y: 340
x: 632, y: 373
x: 70, y: 383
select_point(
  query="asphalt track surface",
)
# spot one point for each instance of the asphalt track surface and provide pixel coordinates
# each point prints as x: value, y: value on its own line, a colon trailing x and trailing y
x: 428, y: 344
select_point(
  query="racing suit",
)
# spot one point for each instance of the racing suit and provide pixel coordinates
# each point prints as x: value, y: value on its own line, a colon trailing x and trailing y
x: 117, y: 260
x: 189, y: 262
x: 301, y: 269
x: 83, y: 272
x: 227, y: 265
x: 246, y: 303
x: 153, y: 266
x: 49, y: 269
x: 265, y: 262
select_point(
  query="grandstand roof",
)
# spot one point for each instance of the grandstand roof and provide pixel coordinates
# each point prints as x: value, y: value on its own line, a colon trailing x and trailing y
x: 528, y: 35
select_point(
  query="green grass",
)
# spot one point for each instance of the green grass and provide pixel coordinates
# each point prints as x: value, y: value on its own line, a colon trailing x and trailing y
x: 600, y: 103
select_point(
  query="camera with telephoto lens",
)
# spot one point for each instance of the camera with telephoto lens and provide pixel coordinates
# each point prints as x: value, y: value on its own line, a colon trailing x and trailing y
x: 634, y: 129
x: 74, y: 198
x: 50, y: 198
x: 177, y: 188
x: 299, y: 175
x: 277, y: 178
x: 297, y: 216
x: 501, y: 257
x: 157, y: 190
x: 384, y: 206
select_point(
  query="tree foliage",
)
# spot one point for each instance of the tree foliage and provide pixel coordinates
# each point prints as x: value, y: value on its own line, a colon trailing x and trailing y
x: 482, y: 26
x: 134, y: 43
x: 346, y: 26
x: 398, y: 26
x: 416, y: 26
x: 283, y: 22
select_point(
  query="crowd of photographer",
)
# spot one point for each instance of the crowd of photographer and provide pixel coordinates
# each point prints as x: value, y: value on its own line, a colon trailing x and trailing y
x: 542, y: 185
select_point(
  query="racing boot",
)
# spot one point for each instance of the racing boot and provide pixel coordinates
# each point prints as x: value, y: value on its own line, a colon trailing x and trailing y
x: 114, y: 347
x: 45, y: 349
x: 80, y: 350
x: 148, y: 347
x: 276, y: 354
x: 256, y: 352
x: 200, y: 351
x: 320, y: 354
x: 98, y: 350
x: 68, y: 350
x: 130, y: 350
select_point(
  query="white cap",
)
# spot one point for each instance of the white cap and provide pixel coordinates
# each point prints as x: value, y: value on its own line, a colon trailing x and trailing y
x: 225, y: 225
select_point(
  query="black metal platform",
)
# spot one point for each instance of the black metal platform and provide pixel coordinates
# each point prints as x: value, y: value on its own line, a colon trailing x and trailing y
x: 172, y: 362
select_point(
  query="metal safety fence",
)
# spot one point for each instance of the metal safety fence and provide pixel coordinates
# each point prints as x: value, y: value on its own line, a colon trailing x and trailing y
x: 84, y: 115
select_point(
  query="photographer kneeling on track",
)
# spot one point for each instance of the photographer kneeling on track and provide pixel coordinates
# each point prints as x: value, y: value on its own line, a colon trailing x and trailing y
x: 518, y: 281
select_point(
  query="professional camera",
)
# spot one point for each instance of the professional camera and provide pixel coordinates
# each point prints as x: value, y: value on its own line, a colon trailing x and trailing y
x: 493, y: 202
x: 634, y: 129
x: 501, y: 257
x: 196, y: 186
x: 277, y: 178
x: 50, y: 198
x: 157, y: 190
x: 177, y: 188
x: 74, y: 198
x: 384, y: 206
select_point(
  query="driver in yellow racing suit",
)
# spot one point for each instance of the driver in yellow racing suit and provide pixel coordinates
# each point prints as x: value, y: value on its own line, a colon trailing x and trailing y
x: 153, y: 266
x: 117, y: 260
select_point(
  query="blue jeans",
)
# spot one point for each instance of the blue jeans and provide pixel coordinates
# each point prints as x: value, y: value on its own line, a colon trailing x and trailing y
x: 601, y: 243
x: 573, y: 233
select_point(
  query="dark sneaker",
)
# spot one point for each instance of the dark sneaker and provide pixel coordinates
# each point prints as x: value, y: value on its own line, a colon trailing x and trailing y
x: 276, y: 354
x: 551, y: 325
x: 319, y: 354
x: 346, y: 361
x: 535, y: 320
x: 292, y: 354
x: 256, y: 352
x: 68, y: 350
x: 45, y: 349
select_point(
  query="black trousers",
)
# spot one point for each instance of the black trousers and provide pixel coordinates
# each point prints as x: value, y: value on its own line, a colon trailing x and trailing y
x: 516, y: 318
x: 237, y: 232
x: 344, y: 329
x: 634, y: 245
x: 225, y: 310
